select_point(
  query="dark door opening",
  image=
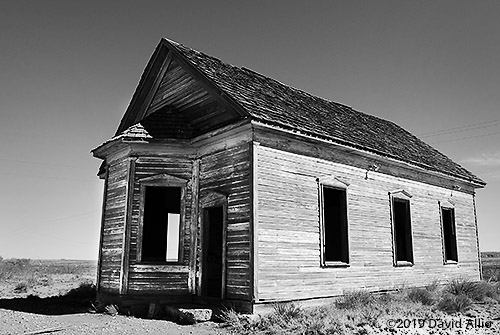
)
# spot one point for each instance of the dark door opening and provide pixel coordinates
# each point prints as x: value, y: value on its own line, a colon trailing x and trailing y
x: 213, y: 247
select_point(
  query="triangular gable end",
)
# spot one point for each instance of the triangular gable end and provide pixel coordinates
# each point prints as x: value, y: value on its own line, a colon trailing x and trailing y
x: 182, y: 101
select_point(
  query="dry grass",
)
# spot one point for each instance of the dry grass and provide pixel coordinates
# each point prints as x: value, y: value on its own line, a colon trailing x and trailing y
x: 361, y: 312
x: 421, y: 295
x: 491, y: 266
x: 352, y: 313
x: 21, y: 277
x: 450, y: 303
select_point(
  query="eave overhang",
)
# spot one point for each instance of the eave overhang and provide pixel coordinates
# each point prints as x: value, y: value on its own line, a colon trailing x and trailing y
x: 379, y: 156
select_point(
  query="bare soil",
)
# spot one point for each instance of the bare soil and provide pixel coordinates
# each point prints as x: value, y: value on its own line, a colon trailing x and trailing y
x: 14, y: 322
x: 69, y: 315
x: 34, y: 300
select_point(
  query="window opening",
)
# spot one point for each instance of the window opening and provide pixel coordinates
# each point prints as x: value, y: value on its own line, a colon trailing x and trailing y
x: 161, y: 224
x: 335, y: 237
x: 449, y: 235
x: 402, y: 230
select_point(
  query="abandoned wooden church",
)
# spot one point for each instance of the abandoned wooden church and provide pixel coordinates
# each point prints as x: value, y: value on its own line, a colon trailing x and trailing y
x: 222, y: 184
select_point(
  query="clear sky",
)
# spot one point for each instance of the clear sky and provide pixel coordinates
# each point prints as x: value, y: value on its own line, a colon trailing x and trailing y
x: 68, y: 70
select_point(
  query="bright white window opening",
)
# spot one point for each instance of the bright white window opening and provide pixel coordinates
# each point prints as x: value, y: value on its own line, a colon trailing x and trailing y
x: 173, y: 233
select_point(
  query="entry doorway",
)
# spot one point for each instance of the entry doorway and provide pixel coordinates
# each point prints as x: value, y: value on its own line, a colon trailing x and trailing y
x: 213, y: 268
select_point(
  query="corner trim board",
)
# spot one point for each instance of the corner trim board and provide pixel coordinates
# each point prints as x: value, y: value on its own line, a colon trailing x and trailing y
x: 124, y: 269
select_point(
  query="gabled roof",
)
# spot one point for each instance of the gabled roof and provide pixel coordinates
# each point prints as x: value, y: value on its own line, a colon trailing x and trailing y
x: 242, y: 93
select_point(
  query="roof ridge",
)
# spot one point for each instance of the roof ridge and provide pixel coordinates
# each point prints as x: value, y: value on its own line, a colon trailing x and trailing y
x: 271, y: 101
x: 297, y: 89
x: 244, y: 68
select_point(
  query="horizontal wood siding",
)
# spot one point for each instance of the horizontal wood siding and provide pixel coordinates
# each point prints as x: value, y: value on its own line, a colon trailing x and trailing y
x: 289, y: 233
x: 141, y: 278
x: 181, y: 91
x: 228, y: 172
x: 113, y: 225
x: 149, y: 279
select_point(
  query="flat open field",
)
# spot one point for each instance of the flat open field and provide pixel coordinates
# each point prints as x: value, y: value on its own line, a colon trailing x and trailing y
x: 491, y: 265
x: 43, y: 278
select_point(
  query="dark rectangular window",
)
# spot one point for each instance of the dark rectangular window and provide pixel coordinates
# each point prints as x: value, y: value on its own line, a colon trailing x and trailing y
x: 402, y: 230
x: 335, y: 239
x: 161, y: 224
x: 449, y: 235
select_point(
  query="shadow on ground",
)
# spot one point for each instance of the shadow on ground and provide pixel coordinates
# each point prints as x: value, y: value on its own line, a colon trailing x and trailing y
x: 78, y: 300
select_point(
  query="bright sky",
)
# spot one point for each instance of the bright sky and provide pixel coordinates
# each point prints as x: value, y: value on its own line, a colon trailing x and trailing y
x: 68, y: 70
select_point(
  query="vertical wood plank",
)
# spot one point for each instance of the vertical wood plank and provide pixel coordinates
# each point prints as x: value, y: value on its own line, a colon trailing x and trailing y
x: 140, y: 223
x: 477, y: 238
x: 195, y: 186
x: 103, y: 215
x: 254, y: 220
x: 224, y: 250
x: 124, y: 270
x: 114, y: 221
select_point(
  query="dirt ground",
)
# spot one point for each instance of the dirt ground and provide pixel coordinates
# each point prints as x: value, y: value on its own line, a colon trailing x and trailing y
x: 42, y: 308
x: 30, y: 316
x: 46, y: 313
x: 17, y: 323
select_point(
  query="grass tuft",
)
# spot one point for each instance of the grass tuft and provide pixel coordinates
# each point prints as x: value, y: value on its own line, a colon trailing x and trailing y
x: 235, y: 321
x: 287, y: 311
x: 421, y: 295
x: 476, y: 291
x: 454, y: 303
x: 434, y: 286
x: 459, y: 294
x: 491, y: 273
x: 354, y: 299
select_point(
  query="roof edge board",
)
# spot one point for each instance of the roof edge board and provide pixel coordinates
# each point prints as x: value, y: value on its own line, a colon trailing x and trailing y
x: 477, y: 183
x: 146, y: 74
x: 219, y: 94
x: 154, y: 88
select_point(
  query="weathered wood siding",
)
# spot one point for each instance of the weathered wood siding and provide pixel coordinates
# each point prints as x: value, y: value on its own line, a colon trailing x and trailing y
x: 113, y: 226
x: 288, y: 229
x: 228, y: 172
x: 182, y: 91
x: 164, y: 279
x: 220, y: 162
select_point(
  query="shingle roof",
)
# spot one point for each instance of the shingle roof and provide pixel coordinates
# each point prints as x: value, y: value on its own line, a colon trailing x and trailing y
x: 272, y: 102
